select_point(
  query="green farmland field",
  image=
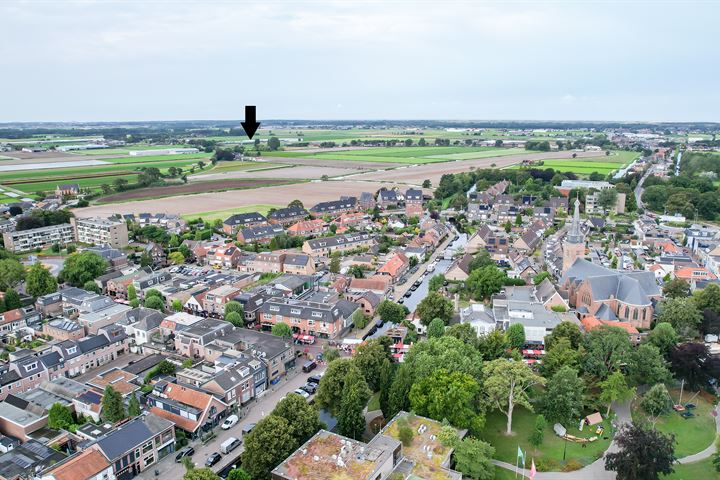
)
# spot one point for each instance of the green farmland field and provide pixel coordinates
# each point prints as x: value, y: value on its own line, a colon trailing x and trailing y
x: 409, y: 155
x: 93, y: 183
x: 128, y: 149
x: 223, y: 214
x: 602, y: 165
x: 95, y: 175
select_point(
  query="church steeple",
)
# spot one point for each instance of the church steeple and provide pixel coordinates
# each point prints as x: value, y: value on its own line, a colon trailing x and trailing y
x: 574, y: 242
x: 575, y: 235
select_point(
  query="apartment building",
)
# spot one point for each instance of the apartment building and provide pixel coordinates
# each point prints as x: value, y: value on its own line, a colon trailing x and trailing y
x: 308, y: 318
x: 216, y: 299
x: 100, y: 231
x: 43, y: 237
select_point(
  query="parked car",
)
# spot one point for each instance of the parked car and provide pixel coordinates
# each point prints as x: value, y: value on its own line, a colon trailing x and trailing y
x: 314, y: 379
x: 302, y: 393
x: 309, y: 366
x: 229, y: 445
x: 184, y: 452
x: 229, y: 422
x: 310, y: 388
x: 212, y: 459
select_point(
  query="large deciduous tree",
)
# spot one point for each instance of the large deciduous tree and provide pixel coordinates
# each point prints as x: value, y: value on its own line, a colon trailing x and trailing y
x: 434, y: 305
x: 83, y: 267
x: 12, y: 273
x: 564, y: 398
x: 473, y: 458
x: 448, y: 395
x: 369, y: 359
x: 664, y: 337
x: 506, y: 385
x: 485, y: 281
x: 302, y: 417
x: 560, y: 355
x: 59, y: 417
x: 399, y: 391
x: 351, y: 421
x: 615, y: 388
x: 516, y: 336
x: 567, y: 330
x: 676, y: 288
x: 606, y: 349
x: 657, y: 400
x: 330, y: 391
x: 39, y: 281
x: 647, y: 366
x: 693, y: 363
x: 268, y: 444
x: 391, y: 312
x: 644, y: 453
x: 683, y: 315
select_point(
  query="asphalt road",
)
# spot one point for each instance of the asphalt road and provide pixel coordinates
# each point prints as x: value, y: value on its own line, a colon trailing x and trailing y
x: 252, y: 413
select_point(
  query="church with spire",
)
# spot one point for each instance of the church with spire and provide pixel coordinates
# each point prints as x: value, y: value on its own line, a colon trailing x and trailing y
x: 573, y: 246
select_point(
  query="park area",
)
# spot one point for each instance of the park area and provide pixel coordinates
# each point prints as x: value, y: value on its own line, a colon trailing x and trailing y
x: 403, y: 155
x: 694, y: 433
x: 549, y: 455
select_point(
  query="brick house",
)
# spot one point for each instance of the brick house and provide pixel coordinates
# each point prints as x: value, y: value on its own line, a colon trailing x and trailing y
x: 235, y: 223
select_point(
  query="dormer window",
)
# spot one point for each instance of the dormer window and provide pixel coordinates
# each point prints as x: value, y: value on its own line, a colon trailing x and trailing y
x: 30, y: 366
x: 317, y: 314
x: 72, y: 350
x: 274, y: 308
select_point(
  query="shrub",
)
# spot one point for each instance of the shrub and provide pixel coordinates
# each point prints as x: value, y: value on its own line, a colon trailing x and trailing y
x: 406, y: 435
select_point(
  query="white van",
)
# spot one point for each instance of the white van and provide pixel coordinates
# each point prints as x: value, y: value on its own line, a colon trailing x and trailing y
x: 229, y: 445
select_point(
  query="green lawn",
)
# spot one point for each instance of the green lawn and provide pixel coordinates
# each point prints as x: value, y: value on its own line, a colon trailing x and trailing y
x: 548, y: 457
x: 374, y: 403
x: 702, y: 470
x: 693, y: 434
x: 213, y: 215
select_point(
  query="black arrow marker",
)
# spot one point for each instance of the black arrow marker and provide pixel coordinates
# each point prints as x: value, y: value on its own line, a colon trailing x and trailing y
x: 250, y: 125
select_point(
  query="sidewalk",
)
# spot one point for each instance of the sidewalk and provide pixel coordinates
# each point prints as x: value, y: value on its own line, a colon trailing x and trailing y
x: 253, y: 413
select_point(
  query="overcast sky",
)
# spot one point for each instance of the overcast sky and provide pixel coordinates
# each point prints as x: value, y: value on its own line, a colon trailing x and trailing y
x: 118, y: 60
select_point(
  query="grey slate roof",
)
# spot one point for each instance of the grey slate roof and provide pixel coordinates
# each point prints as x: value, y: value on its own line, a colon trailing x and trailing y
x: 262, y: 231
x: 289, y: 212
x: 244, y: 218
x: 335, y: 205
x: 634, y: 288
